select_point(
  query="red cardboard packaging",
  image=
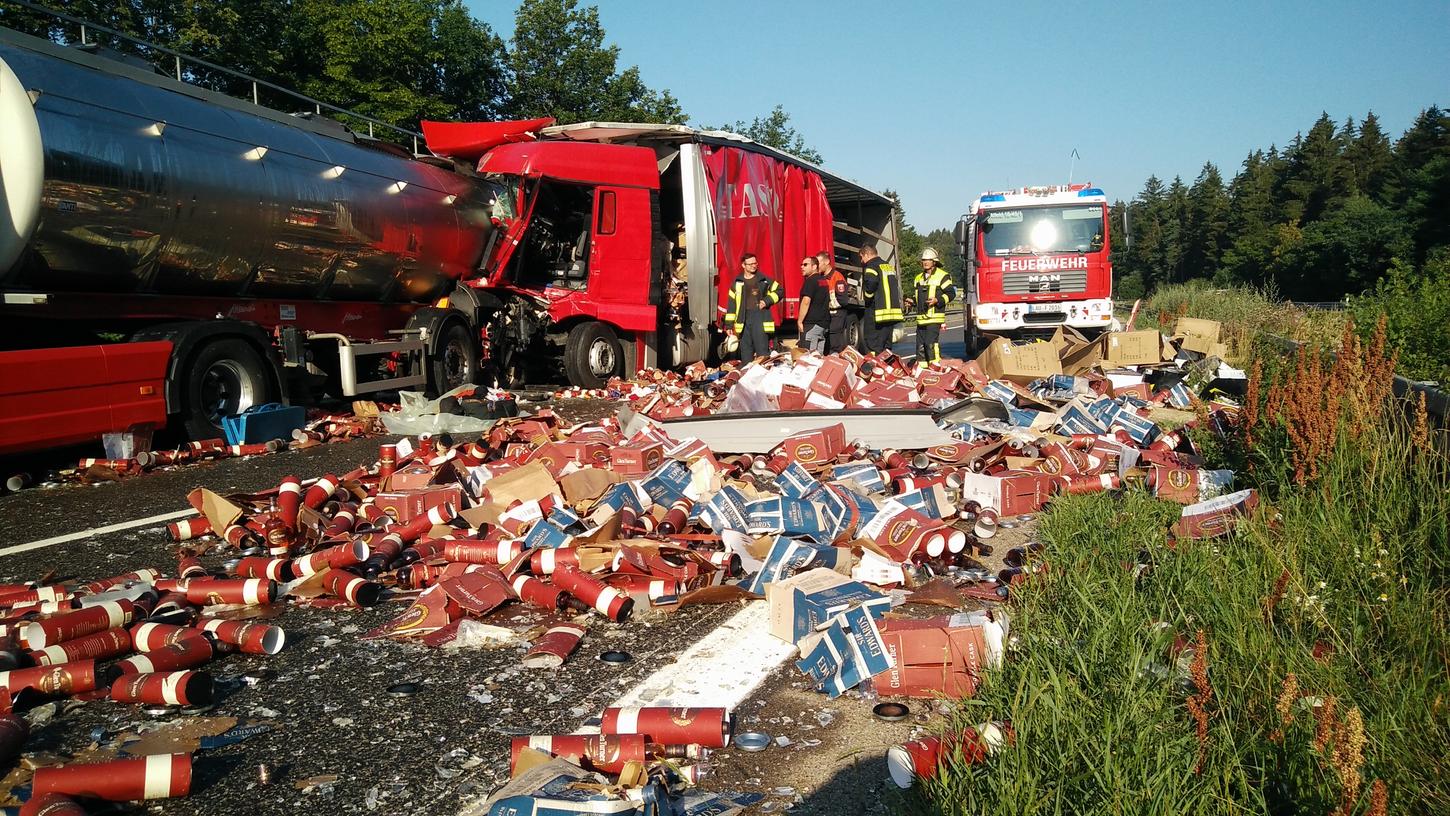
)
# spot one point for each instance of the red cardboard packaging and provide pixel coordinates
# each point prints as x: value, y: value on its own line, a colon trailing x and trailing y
x: 833, y: 379
x: 406, y: 505
x: 637, y: 460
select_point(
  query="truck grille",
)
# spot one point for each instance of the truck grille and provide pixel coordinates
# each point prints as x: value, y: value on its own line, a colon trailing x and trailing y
x: 1033, y: 283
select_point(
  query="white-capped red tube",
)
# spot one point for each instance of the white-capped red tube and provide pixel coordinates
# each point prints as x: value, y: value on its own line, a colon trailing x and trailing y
x: 164, y: 688
x: 95, y: 646
x: 247, y: 636
x: 82, y: 622
x: 606, y: 600
x: 707, y: 727
x: 160, y: 776
x: 186, y: 653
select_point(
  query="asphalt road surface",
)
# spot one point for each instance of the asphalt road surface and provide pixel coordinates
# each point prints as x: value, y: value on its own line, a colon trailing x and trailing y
x: 325, y: 694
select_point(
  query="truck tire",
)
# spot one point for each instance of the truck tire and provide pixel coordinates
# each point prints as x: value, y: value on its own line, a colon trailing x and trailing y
x: 223, y: 378
x: 853, y: 330
x: 456, y: 362
x: 592, y: 355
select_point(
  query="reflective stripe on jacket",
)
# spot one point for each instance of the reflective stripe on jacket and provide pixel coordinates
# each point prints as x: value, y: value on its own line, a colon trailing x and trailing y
x: 937, y: 285
x: 735, y: 311
x: 882, y: 287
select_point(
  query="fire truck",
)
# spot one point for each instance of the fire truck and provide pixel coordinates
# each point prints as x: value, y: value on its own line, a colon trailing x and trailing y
x: 170, y: 255
x: 1037, y: 258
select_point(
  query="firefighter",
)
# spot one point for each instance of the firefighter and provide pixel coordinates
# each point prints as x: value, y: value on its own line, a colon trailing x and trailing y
x: 747, y: 312
x: 934, y: 291
x: 836, y: 293
x: 881, y: 288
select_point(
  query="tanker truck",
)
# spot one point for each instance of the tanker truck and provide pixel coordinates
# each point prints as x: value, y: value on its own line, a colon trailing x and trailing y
x: 170, y: 255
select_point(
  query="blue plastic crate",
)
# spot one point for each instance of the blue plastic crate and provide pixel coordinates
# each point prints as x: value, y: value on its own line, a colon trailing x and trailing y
x: 261, y: 423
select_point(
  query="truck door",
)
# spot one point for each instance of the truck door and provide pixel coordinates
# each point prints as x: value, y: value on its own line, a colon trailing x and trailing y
x: 620, y: 262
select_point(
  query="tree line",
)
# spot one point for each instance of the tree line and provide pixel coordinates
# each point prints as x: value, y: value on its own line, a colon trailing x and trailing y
x: 1326, y: 216
x: 398, y: 61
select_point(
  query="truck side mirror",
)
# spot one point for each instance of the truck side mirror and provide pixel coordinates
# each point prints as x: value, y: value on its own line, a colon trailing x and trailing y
x: 960, y: 233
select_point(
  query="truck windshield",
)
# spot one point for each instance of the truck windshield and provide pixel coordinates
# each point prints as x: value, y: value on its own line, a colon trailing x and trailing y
x: 501, y: 195
x: 1040, y: 230
x: 498, y: 207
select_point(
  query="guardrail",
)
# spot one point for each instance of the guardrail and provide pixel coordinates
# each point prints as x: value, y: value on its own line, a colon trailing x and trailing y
x: 178, y: 64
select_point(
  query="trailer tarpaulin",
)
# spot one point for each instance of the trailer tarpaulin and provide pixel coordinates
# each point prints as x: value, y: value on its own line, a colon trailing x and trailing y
x: 774, y: 209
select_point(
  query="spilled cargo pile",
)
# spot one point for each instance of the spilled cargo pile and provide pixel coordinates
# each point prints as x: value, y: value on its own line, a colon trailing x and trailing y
x: 539, y: 533
x: 364, y: 421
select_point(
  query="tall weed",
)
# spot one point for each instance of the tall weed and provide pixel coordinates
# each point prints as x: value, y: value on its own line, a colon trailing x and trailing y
x: 1318, y: 683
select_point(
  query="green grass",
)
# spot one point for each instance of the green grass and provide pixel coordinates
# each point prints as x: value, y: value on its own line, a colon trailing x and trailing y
x: 1244, y: 312
x: 1099, y: 704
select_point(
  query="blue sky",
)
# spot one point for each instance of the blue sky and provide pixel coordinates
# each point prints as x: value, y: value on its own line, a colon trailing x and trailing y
x: 942, y: 100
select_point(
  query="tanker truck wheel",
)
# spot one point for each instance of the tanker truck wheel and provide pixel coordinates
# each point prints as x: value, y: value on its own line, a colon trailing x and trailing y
x: 224, y: 378
x: 456, y: 362
x: 592, y: 355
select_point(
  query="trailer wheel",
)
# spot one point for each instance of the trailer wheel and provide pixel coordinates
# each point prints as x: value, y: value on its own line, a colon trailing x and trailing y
x: 592, y: 355
x: 456, y: 362
x: 852, y: 332
x: 224, y: 378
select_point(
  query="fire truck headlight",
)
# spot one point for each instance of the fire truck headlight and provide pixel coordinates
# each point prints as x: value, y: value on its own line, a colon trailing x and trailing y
x: 1044, y: 235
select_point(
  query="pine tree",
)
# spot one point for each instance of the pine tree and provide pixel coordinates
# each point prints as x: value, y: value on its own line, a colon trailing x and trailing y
x: 1251, y: 218
x: 1420, y: 182
x: 1370, y: 157
x: 1316, y: 173
x: 1207, y: 224
x: 1175, y: 230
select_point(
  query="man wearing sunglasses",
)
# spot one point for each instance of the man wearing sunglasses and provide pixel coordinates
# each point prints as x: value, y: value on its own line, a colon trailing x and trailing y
x: 813, y: 319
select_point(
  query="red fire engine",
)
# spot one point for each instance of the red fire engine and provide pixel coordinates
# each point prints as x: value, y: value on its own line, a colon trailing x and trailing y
x: 1037, y: 258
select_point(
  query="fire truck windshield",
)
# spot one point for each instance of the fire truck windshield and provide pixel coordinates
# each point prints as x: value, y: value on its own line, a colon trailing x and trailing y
x: 1041, y: 230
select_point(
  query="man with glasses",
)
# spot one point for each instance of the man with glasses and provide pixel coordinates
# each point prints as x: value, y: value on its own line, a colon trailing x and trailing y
x: 747, y: 312
x: 813, y: 318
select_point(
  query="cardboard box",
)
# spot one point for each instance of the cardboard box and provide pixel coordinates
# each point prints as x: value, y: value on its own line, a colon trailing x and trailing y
x: 1133, y: 348
x: 834, y: 379
x: 1197, y: 335
x: 947, y: 380
x: 405, y: 505
x: 1082, y: 359
x: 411, y: 476
x: 801, y: 603
x: 637, y: 460
x: 944, y: 655
x: 817, y: 448
x: 1010, y: 494
x: 1022, y: 364
x: 792, y: 398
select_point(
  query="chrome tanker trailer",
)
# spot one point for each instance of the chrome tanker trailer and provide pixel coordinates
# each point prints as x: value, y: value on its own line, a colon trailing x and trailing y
x: 223, y: 242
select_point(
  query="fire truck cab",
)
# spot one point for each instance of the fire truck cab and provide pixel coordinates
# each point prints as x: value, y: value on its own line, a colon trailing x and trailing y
x: 1037, y: 258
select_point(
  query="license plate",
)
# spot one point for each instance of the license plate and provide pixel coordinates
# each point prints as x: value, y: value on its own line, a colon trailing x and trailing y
x: 1039, y: 308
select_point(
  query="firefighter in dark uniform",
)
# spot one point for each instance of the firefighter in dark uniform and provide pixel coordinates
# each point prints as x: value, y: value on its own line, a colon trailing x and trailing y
x: 747, y: 312
x: 934, y: 291
x: 881, y: 288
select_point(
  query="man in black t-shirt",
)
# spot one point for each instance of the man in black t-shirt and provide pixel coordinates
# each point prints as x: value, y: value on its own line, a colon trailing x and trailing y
x: 813, y: 318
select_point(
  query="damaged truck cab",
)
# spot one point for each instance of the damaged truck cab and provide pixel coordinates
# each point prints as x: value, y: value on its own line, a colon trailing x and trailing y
x: 600, y: 216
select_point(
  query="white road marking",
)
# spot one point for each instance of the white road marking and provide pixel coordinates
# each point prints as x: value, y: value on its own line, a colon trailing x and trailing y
x: 720, y: 669
x: 96, y: 531
x: 113, y: 528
